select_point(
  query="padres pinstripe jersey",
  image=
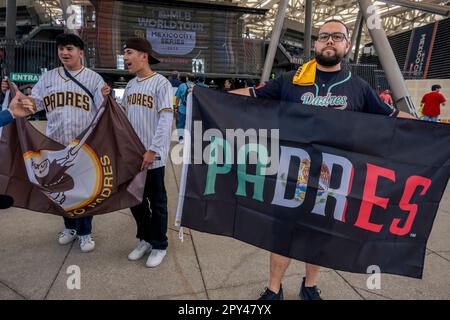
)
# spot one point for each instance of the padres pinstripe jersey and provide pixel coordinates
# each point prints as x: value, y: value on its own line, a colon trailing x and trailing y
x: 68, y: 107
x: 145, y: 100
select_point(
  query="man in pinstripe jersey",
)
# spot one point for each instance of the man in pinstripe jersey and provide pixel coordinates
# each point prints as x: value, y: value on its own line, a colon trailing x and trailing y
x: 70, y: 109
x: 148, y: 103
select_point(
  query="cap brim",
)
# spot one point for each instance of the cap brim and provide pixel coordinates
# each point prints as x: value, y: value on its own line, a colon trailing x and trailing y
x: 152, y: 60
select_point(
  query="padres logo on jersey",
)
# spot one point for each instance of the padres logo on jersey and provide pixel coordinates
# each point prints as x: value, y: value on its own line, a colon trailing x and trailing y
x: 66, y: 98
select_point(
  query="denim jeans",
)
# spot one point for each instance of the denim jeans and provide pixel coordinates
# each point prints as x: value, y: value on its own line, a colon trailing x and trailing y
x: 82, y: 225
x: 152, y: 221
x: 181, y: 123
x: 433, y: 119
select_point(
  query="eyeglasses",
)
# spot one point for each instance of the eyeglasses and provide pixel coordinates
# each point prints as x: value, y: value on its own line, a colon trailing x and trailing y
x: 336, y: 36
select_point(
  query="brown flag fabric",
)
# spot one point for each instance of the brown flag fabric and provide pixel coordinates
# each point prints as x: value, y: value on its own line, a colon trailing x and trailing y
x: 98, y: 172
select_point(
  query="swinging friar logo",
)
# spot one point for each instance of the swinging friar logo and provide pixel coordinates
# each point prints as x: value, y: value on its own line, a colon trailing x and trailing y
x: 75, y: 178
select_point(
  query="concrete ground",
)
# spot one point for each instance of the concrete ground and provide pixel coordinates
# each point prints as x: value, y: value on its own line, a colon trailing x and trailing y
x: 34, y: 266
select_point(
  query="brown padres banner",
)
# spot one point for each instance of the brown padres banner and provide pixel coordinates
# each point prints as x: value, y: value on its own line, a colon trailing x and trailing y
x: 98, y: 172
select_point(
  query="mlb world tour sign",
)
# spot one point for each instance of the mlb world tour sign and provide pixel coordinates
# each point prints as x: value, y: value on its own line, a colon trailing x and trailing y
x: 340, y: 189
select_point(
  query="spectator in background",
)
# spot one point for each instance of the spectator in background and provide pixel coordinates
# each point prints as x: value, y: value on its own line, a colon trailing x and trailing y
x: 28, y: 90
x: 213, y: 85
x: 228, y: 85
x: 432, y: 102
x: 181, y: 102
x: 2, y: 55
x: 2, y: 61
x: 239, y: 84
x: 175, y: 79
x: 249, y: 83
x: 386, y: 97
x: 201, y: 82
x: 40, y: 115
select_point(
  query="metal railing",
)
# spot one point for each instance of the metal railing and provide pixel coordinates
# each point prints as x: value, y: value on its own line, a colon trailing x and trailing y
x: 33, y: 56
x: 375, y: 76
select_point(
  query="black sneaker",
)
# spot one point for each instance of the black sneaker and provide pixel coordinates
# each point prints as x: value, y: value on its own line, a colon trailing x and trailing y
x: 6, y: 201
x: 309, y: 293
x: 270, y: 295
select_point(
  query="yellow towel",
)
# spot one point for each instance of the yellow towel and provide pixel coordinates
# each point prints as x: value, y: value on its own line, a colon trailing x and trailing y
x: 306, y: 76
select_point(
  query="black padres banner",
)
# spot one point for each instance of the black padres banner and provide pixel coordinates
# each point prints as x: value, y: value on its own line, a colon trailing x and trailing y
x: 343, y: 190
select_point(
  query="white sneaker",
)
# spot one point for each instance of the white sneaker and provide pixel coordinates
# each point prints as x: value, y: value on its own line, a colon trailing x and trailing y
x: 155, y: 258
x: 86, y: 243
x: 142, y: 248
x: 67, y: 236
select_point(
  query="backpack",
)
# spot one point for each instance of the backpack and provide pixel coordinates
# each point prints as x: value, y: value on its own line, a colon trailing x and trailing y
x: 183, y: 99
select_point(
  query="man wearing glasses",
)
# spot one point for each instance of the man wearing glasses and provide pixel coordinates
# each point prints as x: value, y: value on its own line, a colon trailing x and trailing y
x: 319, y: 83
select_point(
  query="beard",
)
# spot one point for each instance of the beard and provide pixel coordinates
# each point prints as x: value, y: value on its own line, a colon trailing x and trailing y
x: 328, y: 61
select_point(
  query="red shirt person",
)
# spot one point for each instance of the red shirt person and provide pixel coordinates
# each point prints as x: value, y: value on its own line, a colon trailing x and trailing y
x: 386, y: 97
x: 432, y: 103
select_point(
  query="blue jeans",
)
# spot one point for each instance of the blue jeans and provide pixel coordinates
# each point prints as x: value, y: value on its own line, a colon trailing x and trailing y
x: 181, y: 123
x: 82, y: 225
x: 433, y: 119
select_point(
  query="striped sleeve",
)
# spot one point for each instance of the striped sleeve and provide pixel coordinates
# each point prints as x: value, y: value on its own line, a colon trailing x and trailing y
x: 124, y: 102
x: 164, y: 97
x: 98, y: 97
x: 38, y: 94
x: 161, y: 139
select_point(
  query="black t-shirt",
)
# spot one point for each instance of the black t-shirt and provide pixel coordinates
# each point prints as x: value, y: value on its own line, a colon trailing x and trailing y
x: 338, y: 90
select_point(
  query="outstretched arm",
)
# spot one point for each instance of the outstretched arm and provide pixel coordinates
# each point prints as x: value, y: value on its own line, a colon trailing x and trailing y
x: 405, y: 115
x: 242, y: 92
x: 5, y: 118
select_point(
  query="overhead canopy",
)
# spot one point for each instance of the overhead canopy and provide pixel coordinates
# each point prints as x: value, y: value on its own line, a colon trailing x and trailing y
x: 395, y: 18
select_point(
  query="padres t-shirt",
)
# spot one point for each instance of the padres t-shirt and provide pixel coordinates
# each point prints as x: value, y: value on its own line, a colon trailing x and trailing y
x: 432, y: 103
x: 338, y: 90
